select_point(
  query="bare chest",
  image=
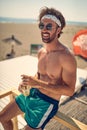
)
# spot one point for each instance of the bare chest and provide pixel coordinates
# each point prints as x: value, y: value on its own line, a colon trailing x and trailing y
x: 50, y: 65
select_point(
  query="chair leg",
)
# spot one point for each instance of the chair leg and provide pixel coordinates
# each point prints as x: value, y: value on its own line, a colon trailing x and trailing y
x: 15, y: 123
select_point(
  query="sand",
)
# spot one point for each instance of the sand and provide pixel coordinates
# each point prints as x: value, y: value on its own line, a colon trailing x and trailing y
x: 30, y: 34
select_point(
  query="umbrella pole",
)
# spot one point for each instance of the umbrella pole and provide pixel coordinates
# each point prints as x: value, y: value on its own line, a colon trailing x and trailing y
x: 12, y: 50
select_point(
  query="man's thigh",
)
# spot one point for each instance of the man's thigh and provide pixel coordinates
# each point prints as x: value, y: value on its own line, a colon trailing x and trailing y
x: 10, y: 111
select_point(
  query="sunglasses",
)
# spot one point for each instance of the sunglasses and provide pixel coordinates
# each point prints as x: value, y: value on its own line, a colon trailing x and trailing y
x: 49, y: 26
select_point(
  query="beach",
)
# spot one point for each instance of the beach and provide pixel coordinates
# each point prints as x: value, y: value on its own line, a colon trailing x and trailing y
x: 30, y: 34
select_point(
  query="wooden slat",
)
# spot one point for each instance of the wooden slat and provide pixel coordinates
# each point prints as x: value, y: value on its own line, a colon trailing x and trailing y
x: 15, y: 91
x: 80, y: 100
x: 69, y: 122
x: 80, y: 124
x: 5, y: 93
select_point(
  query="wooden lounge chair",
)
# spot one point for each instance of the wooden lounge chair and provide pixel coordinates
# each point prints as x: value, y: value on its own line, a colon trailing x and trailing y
x: 69, y: 122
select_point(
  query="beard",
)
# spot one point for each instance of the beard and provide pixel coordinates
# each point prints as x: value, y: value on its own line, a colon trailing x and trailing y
x: 46, y: 38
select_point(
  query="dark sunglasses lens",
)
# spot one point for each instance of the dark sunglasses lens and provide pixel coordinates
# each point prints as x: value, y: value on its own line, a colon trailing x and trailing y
x: 41, y: 26
x: 49, y: 27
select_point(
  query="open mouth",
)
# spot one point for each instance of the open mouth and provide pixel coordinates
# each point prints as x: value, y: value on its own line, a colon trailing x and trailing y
x: 45, y: 35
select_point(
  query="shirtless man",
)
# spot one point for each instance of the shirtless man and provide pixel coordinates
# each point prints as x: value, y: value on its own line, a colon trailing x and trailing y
x: 56, y: 76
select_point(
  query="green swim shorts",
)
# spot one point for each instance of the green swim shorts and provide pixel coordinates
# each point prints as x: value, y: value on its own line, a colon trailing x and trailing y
x: 38, y: 108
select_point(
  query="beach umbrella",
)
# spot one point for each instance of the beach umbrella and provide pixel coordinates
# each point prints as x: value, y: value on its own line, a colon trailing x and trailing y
x: 80, y: 44
x: 12, y: 40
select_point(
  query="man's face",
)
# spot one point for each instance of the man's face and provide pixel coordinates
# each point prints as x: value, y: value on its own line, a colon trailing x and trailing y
x: 48, y: 30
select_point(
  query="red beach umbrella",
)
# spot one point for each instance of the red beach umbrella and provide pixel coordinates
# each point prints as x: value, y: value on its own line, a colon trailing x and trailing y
x: 80, y: 43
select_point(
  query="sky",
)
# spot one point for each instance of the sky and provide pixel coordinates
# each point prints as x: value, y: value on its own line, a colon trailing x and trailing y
x: 73, y: 10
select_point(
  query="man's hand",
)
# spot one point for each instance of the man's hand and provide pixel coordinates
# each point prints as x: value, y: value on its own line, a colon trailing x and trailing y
x: 32, y: 82
x: 29, y: 80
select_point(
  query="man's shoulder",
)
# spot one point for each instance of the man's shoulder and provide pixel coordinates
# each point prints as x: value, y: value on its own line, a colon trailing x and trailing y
x: 64, y: 53
x: 41, y: 51
x: 67, y: 57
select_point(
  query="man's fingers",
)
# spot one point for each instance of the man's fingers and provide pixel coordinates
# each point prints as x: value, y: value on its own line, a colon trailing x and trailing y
x: 24, y: 76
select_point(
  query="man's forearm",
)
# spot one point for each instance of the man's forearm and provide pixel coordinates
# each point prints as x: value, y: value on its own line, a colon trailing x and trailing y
x: 61, y: 89
x: 57, y: 89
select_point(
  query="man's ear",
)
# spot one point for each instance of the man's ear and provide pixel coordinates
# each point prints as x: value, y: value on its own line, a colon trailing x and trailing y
x: 58, y: 30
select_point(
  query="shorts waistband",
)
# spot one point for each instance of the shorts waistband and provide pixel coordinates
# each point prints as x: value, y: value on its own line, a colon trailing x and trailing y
x: 45, y: 97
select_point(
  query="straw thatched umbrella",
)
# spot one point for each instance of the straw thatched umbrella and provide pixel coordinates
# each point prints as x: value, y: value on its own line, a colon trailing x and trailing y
x: 12, y: 40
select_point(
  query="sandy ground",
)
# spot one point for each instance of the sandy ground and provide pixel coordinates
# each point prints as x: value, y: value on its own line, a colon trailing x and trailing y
x: 30, y: 34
